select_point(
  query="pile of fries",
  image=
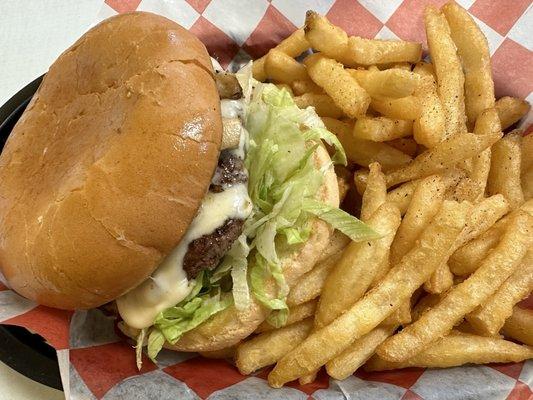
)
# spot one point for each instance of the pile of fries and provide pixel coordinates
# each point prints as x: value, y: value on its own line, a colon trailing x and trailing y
x: 449, y: 193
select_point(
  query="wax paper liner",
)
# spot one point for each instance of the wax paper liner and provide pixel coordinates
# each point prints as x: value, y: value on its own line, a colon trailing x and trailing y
x: 96, y: 363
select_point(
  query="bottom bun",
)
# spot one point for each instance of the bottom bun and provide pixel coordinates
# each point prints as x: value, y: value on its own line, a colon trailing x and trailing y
x: 230, y: 326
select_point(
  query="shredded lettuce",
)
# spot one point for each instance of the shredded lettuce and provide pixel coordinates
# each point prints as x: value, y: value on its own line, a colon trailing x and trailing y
x: 341, y: 220
x: 283, y: 181
x: 171, y: 324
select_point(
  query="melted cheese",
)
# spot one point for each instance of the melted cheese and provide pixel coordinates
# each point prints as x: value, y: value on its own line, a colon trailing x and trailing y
x: 168, y: 285
x: 232, y: 108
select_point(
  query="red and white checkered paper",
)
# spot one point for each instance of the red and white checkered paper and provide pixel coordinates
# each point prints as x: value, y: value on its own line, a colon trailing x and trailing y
x: 96, y: 363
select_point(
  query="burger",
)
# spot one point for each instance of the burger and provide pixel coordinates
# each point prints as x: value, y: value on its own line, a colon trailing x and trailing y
x: 188, y: 199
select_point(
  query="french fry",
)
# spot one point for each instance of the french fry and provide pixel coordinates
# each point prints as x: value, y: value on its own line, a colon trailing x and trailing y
x: 347, y: 94
x: 393, y: 83
x: 356, y: 269
x: 440, y: 281
x: 511, y: 110
x: 450, y: 77
x: 376, y: 192
x: 457, y: 349
x: 354, y: 272
x: 282, y: 68
x: 425, y: 203
x: 310, y: 285
x: 322, y: 103
x: 403, y: 108
x: 444, y: 155
x: 486, y: 122
x: 490, y: 317
x: 354, y: 51
x: 305, y: 86
x: 349, y: 361
x: 382, y: 129
x: 267, y: 348
x: 482, y: 220
x: 401, y: 196
x: 424, y: 304
x: 365, y: 152
x: 293, y: 46
x: 484, y: 215
x: 430, y: 128
x: 396, y: 288
x: 296, y: 314
x: 527, y: 166
x: 519, y: 326
x: 466, y: 296
x: 466, y: 259
x: 405, y: 145
x: 473, y: 50
x: 504, y: 175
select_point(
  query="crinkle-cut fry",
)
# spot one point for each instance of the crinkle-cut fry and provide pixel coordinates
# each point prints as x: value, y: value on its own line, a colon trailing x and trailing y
x: 466, y: 296
x: 450, y: 77
x: 266, y: 348
x: 305, y: 86
x: 444, y: 155
x: 505, y: 168
x: 519, y: 326
x: 352, y: 275
x: 345, y: 91
x: 354, y: 51
x: 365, y: 152
x: 382, y: 129
x: 293, y: 45
x: 393, y: 83
x: 511, y: 110
x: 375, y: 193
x: 405, y: 145
x: 473, y: 50
x: 322, y: 103
x: 425, y: 203
x: 490, y: 317
x: 297, y: 313
x: 380, y: 302
x: 430, y: 128
x: 282, y: 68
x: 408, y: 107
x: 457, y: 349
x: 309, y: 286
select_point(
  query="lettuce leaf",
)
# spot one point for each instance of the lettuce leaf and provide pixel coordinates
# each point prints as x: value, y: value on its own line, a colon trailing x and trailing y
x: 341, y: 220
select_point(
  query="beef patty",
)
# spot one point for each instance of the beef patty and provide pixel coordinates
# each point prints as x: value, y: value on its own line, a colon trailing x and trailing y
x: 207, y: 251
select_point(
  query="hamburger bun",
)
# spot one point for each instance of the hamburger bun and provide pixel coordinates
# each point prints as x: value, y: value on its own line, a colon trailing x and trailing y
x: 108, y: 165
x: 230, y: 326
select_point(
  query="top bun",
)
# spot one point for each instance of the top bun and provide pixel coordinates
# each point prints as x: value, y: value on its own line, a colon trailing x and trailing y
x: 108, y: 165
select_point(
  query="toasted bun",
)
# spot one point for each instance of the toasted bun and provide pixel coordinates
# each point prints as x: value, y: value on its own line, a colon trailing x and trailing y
x: 230, y: 326
x: 108, y: 165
